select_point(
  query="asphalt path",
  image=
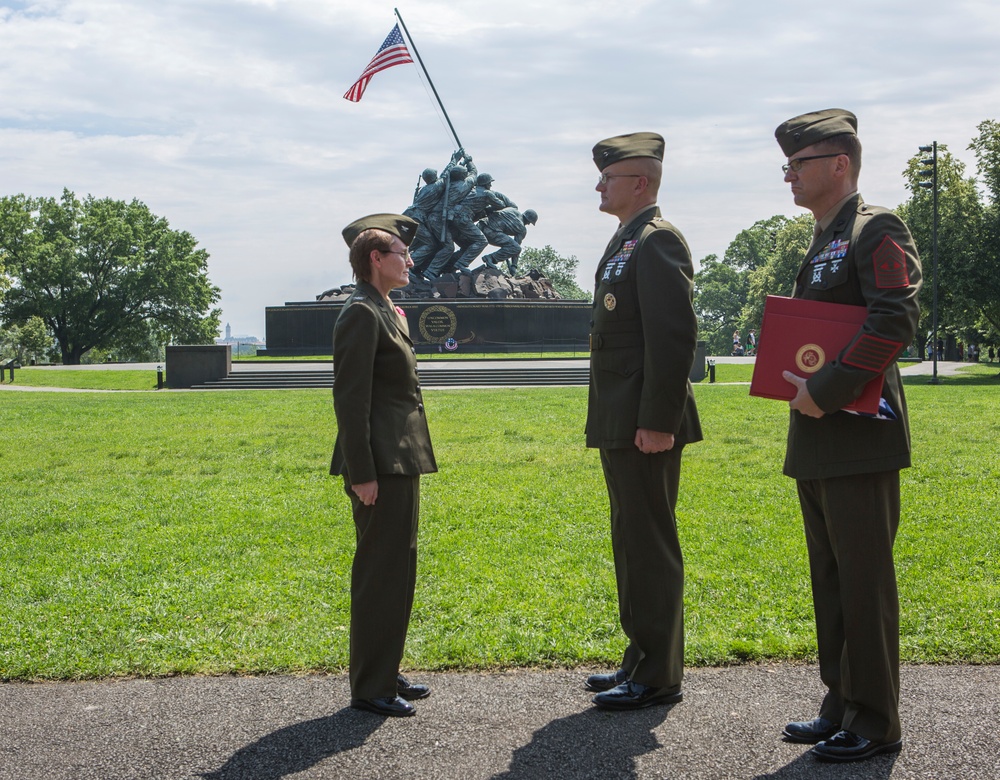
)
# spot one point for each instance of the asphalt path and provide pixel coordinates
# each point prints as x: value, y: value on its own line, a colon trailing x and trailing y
x: 517, y: 725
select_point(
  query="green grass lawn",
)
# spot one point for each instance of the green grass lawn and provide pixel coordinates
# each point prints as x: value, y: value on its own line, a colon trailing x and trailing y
x: 84, y: 379
x: 162, y: 533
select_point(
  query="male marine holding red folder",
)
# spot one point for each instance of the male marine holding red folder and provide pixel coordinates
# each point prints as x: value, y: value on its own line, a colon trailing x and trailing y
x: 846, y: 465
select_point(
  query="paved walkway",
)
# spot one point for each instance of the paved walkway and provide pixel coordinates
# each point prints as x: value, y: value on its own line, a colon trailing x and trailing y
x: 518, y: 725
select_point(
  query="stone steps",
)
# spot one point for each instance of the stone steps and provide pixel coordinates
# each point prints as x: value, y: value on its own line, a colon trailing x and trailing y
x: 437, y: 377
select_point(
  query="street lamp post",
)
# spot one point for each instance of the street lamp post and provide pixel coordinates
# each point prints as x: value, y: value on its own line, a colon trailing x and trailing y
x: 933, y: 186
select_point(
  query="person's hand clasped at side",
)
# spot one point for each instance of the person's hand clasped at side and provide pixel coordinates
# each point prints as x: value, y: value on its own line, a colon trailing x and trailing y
x: 802, y: 402
x: 649, y: 442
x: 367, y: 492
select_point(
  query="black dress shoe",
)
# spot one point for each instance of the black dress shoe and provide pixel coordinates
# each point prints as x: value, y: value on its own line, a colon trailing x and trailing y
x: 605, y: 682
x: 848, y: 746
x: 809, y: 732
x: 390, y: 706
x: 409, y: 691
x: 631, y: 695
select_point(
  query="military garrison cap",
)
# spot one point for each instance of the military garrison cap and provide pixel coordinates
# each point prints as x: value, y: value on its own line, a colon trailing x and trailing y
x: 623, y: 147
x: 402, y: 227
x: 805, y: 130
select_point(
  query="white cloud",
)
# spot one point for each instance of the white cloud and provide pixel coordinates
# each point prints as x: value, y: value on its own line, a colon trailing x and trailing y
x: 226, y: 116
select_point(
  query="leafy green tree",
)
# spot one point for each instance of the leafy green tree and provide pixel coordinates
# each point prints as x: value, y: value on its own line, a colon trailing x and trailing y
x: 10, y: 343
x: 35, y: 341
x: 139, y: 351
x: 26, y: 343
x: 559, y: 270
x: 755, y: 246
x: 762, y: 260
x: 104, y: 274
x: 719, y: 293
x: 776, y: 275
x: 986, y: 277
x: 960, y: 226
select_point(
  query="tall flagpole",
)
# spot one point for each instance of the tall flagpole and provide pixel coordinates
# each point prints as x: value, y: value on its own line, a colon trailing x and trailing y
x: 410, y: 39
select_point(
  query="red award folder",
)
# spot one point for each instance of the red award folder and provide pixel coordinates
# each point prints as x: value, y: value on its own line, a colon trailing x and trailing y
x: 801, y: 336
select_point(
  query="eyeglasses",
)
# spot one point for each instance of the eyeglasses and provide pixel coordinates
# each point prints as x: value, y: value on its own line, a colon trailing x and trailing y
x: 405, y: 254
x: 605, y: 176
x: 796, y: 165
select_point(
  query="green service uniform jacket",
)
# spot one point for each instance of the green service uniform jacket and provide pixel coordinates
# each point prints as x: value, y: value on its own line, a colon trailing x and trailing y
x: 643, y: 337
x: 381, y: 427
x: 866, y: 257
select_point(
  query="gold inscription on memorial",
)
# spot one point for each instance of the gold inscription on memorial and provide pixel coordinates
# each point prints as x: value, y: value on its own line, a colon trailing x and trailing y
x: 437, y: 324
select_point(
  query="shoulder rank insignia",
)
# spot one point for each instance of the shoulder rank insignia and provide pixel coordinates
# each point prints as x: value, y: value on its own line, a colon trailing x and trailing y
x: 617, y: 263
x: 890, y: 265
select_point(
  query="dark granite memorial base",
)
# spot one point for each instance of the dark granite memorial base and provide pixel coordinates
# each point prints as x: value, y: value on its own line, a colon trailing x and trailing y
x: 442, y: 325
x: 192, y: 365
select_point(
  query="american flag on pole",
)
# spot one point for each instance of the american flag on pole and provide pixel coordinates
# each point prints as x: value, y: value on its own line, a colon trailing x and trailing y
x: 393, y: 51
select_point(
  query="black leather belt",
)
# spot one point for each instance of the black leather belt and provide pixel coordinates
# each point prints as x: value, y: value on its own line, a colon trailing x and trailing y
x: 615, y: 340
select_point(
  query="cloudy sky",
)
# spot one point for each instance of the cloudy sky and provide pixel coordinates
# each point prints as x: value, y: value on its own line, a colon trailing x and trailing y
x: 226, y: 116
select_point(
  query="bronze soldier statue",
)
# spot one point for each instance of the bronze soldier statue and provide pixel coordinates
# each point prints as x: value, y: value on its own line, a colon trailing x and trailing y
x: 427, y: 210
x: 506, y: 229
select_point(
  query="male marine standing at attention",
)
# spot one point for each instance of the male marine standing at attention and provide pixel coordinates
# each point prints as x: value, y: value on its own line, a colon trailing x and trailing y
x: 640, y: 415
x: 847, y: 466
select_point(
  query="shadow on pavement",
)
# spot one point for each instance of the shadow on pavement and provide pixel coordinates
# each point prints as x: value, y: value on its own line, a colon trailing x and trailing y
x: 878, y: 768
x: 593, y: 743
x: 297, y: 748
